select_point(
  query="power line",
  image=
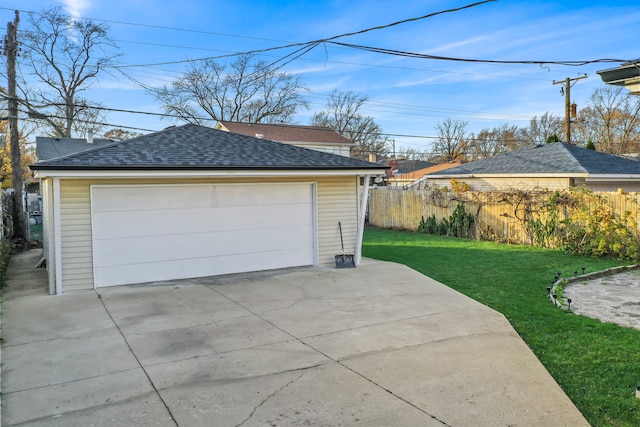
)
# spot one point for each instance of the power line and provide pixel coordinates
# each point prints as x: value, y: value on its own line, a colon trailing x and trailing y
x: 160, y: 27
x: 470, y: 60
x: 305, y: 47
x: 52, y: 116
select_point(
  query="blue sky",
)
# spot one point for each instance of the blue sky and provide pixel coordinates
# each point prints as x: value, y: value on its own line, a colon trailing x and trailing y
x: 407, y: 96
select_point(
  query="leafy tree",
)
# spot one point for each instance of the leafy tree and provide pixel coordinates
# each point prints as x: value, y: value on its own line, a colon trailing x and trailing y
x: 244, y: 91
x: 65, y: 56
x: 27, y: 157
x: 590, y: 145
x: 452, y: 142
x: 552, y: 138
x: 343, y: 114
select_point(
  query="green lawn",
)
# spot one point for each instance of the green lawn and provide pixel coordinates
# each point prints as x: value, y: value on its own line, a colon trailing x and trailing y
x: 597, y: 364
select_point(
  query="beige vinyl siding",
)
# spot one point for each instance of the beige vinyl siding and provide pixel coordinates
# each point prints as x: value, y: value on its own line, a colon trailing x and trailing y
x: 75, y: 228
x: 336, y: 201
x: 506, y: 183
x: 610, y: 186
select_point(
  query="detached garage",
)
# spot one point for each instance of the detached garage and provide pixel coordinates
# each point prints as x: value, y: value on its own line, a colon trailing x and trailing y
x: 192, y: 201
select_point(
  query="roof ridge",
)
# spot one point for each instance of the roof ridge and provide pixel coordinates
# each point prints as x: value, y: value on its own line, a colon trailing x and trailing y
x: 193, y: 146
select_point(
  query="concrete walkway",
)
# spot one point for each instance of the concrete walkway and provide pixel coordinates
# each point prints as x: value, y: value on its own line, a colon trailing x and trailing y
x: 378, y: 345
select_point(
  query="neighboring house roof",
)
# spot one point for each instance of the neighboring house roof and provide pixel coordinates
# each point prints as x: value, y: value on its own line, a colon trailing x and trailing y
x: 626, y: 75
x: 50, y: 148
x: 286, y: 133
x: 412, y: 176
x: 557, y: 158
x: 406, y: 166
x: 193, y: 147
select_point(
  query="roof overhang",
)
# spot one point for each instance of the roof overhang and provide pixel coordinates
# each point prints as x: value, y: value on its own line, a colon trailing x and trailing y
x: 202, y: 173
x: 323, y: 143
x: 586, y: 176
x: 626, y: 75
x: 612, y: 178
x: 509, y: 175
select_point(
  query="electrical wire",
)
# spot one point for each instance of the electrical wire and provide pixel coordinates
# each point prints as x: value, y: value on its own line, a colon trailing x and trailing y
x: 35, y: 120
x: 160, y: 27
x: 303, y: 48
x: 483, y: 61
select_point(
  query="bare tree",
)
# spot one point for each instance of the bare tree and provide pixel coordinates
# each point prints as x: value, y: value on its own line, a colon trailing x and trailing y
x: 489, y: 142
x: 612, y: 120
x: 411, y: 154
x: 65, y: 56
x: 452, y: 141
x: 244, y: 91
x: 121, y: 134
x: 343, y: 115
x: 541, y: 128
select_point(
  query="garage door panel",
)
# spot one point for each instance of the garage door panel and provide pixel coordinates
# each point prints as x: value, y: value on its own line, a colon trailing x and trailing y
x: 151, y: 198
x: 148, y: 233
x: 191, y: 221
x: 140, y: 198
x: 179, y: 246
x: 200, y: 267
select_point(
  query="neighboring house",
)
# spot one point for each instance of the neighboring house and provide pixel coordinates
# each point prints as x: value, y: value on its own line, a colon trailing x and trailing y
x: 552, y: 166
x: 413, y: 179
x: 400, y: 166
x: 192, y: 201
x: 627, y: 75
x: 313, y: 137
x: 49, y: 148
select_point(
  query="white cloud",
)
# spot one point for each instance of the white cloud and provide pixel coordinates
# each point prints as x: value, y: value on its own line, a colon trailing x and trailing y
x: 75, y: 8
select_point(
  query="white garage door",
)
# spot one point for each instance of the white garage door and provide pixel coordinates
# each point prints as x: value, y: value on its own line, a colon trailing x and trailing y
x: 162, y: 232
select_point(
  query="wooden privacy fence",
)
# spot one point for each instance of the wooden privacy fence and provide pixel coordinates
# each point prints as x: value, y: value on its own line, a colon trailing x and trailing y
x: 499, y: 216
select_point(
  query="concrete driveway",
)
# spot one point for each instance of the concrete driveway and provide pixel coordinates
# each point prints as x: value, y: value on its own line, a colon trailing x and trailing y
x: 378, y: 345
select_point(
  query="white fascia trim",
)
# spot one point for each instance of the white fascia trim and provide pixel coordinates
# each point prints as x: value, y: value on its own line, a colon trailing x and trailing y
x: 510, y: 175
x: 363, y: 212
x: 57, y: 235
x: 204, y: 173
x: 609, y: 178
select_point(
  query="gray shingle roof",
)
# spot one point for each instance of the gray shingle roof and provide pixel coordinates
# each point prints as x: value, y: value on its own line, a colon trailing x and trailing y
x: 51, y: 148
x: 197, y: 147
x: 558, y: 157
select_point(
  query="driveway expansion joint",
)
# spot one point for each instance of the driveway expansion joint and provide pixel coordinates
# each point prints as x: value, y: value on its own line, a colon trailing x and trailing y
x: 335, y: 361
x: 106, y: 374
x: 157, y: 392
x: 369, y: 325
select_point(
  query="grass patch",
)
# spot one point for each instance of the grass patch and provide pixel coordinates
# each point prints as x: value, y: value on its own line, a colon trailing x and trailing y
x: 597, y: 364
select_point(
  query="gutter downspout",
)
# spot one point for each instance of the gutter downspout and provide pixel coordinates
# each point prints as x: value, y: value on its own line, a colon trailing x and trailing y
x: 363, y: 213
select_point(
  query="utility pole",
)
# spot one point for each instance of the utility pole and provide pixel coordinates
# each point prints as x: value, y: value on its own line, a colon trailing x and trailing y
x: 566, y: 89
x: 11, y: 52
